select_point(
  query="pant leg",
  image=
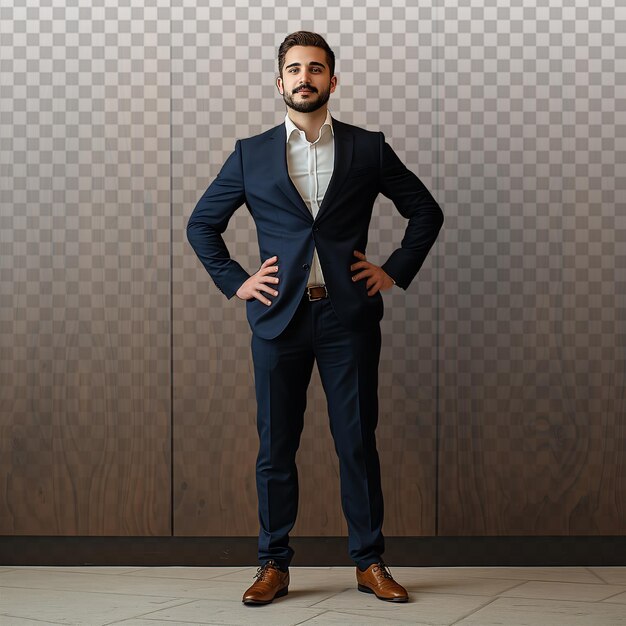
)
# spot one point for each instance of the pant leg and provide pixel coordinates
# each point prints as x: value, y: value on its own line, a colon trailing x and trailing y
x: 282, y: 372
x: 348, y: 364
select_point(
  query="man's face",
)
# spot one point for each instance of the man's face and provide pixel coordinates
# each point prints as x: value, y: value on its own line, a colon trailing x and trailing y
x: 306, y: 83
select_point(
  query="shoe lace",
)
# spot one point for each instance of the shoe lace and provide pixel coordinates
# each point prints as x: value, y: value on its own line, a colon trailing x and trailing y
x: 384, y: 570
x: 263, y: 570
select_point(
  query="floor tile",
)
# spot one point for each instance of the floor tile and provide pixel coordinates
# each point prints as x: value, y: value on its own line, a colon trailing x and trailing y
x: 170, y: 596
x: 241, y: 574
x: 534, y: 612
x: 620, y: 598
x: 432, y: 608
x: 81, y: 569
x: 75, y: 581
x: 278, y: 613
x: 353, y: 619
x: 197, y: 573
x: 454, y: 583
x: 145, y: 621
x: 73, y: 607
x: 564, y: 591
x: 557, y: 574
x: 610, y: 575
x: 12, y: 620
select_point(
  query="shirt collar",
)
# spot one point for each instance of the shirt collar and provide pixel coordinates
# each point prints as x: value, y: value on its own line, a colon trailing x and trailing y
x: 290, y: 126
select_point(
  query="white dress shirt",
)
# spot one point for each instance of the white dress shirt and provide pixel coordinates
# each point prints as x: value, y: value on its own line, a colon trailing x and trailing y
x: 310, y: 166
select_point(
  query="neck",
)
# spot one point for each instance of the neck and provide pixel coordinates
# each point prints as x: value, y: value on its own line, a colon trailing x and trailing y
x: 310, y: 123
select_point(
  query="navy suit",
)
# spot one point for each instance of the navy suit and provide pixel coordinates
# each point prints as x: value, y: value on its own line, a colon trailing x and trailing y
x: 342, y: 332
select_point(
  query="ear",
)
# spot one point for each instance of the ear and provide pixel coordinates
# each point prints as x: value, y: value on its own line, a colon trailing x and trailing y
x: 279, y: 84
x: 333, y: 84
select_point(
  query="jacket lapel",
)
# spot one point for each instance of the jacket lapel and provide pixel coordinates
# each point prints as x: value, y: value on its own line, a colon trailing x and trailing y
x: 341, y: 167
x: 343, y: 159
x: 278, y: 155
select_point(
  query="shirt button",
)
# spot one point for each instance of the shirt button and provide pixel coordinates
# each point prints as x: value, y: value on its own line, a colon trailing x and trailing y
x: 305, y: 266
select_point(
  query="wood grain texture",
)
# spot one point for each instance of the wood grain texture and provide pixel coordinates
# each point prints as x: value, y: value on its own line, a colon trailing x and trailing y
x: 533, y: 409
x: 85, y: 409
x: 85, y: 400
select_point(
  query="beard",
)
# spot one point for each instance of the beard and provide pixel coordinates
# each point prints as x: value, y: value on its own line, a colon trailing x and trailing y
x: 312, y: 103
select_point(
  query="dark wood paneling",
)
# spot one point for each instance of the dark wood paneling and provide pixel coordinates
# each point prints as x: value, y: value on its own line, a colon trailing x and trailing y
x: 85, y: 304
x: 533, y: 410
x: 85, y: 413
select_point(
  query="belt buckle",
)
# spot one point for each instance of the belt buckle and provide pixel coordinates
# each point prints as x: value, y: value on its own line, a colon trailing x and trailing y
x: 308, y: 292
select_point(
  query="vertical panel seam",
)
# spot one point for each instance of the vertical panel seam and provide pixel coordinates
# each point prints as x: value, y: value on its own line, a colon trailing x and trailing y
x: 171, y: 190
x: 437, y: 283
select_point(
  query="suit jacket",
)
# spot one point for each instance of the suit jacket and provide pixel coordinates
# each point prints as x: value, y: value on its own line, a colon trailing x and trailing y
x: 256, y: 174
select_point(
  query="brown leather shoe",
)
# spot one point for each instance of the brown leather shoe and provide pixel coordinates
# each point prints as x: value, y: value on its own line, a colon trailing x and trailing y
x: 271, y: 583
x: 377, y: 579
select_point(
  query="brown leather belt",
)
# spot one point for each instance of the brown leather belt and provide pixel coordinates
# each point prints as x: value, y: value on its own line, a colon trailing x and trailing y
x: 316, y: 292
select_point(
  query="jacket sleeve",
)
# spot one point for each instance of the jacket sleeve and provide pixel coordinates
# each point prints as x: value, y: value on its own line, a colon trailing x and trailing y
x: 414, y: 202
x: 209, y: 220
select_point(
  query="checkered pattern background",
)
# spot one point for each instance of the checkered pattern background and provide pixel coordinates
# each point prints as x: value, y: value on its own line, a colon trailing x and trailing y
x: 501, y: 365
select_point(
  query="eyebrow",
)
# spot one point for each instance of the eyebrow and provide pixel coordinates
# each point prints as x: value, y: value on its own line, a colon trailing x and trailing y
x: 311, y: 63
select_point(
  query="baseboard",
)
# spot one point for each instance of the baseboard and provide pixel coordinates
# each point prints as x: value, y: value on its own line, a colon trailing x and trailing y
x: 313, y: 551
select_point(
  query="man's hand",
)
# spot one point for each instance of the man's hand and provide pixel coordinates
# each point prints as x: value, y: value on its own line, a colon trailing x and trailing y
x: 377, y: 278
x: 257, y: 283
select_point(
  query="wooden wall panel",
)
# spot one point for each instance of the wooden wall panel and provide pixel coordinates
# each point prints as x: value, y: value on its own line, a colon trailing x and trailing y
x: 84, y: 277
x: 502, y: 371
x: 533, y: 413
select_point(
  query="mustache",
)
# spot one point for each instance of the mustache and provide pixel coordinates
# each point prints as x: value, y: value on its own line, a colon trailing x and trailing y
x: 307, y: 87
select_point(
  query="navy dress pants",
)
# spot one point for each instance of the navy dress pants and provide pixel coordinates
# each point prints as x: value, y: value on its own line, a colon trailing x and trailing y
x: 347, y: 361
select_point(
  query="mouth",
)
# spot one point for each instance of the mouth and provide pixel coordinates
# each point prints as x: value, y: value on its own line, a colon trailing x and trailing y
x: 304, y: 91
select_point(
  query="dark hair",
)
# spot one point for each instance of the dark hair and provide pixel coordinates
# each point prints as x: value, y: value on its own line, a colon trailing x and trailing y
x: 305, y: 38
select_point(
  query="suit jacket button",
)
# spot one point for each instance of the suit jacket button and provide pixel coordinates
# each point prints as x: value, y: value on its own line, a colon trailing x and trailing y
x: 305, y: 266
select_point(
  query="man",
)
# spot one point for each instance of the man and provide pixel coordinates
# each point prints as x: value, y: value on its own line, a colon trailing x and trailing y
x: 310, y: 184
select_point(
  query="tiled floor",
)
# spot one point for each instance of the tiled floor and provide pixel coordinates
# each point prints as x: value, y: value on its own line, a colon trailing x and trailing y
x: 477, y: 596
